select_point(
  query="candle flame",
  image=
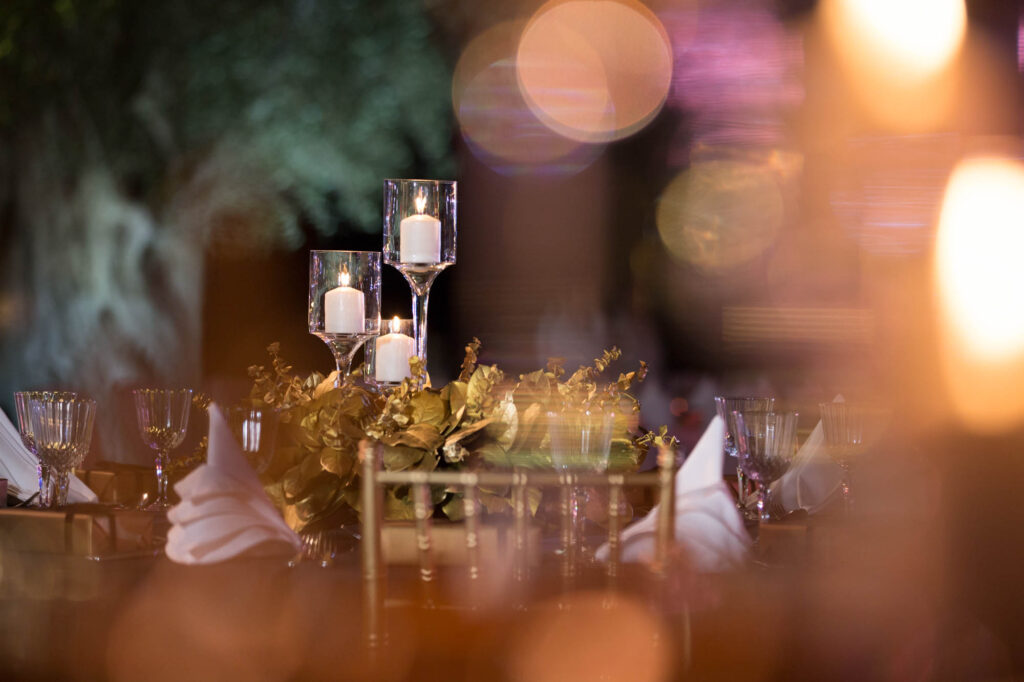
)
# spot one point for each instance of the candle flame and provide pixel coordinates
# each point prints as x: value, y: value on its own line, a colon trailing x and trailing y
x: 395, y: 324
x: 421, y: 202
x: 343, y: 276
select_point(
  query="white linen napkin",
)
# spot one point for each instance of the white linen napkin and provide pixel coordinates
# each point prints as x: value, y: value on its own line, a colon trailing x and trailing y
x: 812, y: 477
x: 19, y: 467
x: 224, y: 511
x: 708, y: 525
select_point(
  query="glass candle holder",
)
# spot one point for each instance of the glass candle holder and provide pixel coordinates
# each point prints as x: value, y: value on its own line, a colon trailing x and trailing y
x: 419, y: 240
x: 344, y: 302
x: 387, y: 356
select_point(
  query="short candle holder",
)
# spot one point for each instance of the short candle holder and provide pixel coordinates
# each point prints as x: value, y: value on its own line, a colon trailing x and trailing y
x: 419, y: 240
x: 387, y: 356
x: 344, y: 302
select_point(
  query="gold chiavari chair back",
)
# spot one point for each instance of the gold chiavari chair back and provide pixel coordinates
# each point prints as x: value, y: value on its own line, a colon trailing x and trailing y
x: 519, y: 481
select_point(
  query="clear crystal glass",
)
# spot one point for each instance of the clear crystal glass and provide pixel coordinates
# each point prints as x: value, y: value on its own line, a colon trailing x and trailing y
x: 344, y: 302
x: 849, y: 429
x: 22, y: 400
x: 255, y: 430
x: 162, y: 415
x: 725, y: 406
x: 62, y: 429
x: 765, y: 444
x: 580, y: 441
x: 419, y: 239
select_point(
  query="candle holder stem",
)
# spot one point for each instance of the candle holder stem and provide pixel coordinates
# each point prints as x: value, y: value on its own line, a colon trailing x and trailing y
x: 420, y: 278
x: 344, y: 347
x: 419, y: 317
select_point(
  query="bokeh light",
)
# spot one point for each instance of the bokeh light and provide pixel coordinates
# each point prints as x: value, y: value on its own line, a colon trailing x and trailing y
x: 738, y: 72
x: 980, y: 284
x: 594, y: 70
x: 495, y: 121
x: 916, y: 38
x: 719, y: 214
x: 889, y: 189
x: 592, y: 636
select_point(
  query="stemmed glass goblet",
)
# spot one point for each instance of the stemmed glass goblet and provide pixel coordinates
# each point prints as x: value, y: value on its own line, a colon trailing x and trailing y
x: 62, y: 430
x: 162, y: 415
x: 725, y: 406
x: 849, y: 430
x: 255, y: 430
x: 419, y: 240
x: 766, y: 445
x: 22, y: 402
x: 580, y: 441
x: 344, y: 302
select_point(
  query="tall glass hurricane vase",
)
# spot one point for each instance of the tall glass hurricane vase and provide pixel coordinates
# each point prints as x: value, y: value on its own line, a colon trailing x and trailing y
x: 162, y: 415
x: 419, y: 239
x: 344, y: 302
x: 62, y: 428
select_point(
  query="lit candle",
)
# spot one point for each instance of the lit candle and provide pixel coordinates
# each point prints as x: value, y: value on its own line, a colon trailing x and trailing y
x: 392, y: 354
x: 420, y: 236
x: 344, y: 311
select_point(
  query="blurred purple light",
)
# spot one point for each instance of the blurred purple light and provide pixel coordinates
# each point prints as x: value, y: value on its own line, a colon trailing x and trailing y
x: 737, y: 70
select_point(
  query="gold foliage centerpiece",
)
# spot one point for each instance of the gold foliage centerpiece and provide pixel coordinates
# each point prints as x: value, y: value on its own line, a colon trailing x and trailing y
x: 484, y: 419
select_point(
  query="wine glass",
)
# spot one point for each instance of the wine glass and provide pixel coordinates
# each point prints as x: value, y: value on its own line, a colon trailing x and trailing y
x: 850, y: 429
x: 22, y: 401
x: 725, y: 406
x: 162, y: 415
x: 62, y: 429
x: 766, y: 445
x: 344, y: 302
x: 255, y: 430
x: 419, y: 239
x: 581, y: 440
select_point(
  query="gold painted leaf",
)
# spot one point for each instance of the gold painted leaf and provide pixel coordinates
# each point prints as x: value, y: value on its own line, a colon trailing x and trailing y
x: 338, y: 462
x: 398, y: 508
x: 455, y: 508
x: 429, y: 408
x: 494, y: 504
x: 467, y: 431
x: 326, y: 385
x: 400, y: 458
x: 422, y: 436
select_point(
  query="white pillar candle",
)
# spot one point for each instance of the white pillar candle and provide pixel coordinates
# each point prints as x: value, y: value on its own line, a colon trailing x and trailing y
x: 391, y: 356
x: 420, y: 239
x: 344, y: 309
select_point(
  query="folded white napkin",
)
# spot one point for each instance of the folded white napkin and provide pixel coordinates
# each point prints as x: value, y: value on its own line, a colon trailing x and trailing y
x: 19, y: 467
x: 708, y: 525
x: 812, y: 477
x: 224, y: 511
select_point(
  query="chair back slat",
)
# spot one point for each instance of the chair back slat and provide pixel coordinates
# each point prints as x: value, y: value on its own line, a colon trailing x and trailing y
x: 614, y: 528
x: 373, y: 588
x: 472, y: 528
x: 423, y: 510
